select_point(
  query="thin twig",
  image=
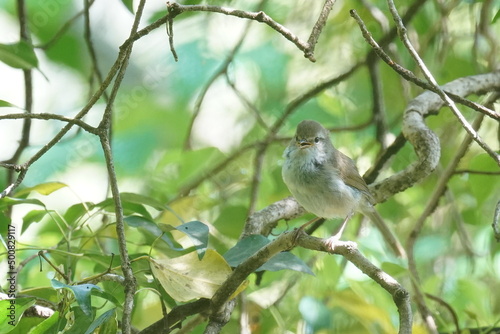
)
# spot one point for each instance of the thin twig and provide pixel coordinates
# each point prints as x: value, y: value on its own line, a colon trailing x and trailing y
x: 44, y: 116
x: 410, y: 76
x: 417, y: 228
x: 378, y: 102
x: 449, y: 308
x: 28, y: 91
x: 430, y: 78
x: 254, y: 110
x: 63, y: 30
x: 371, y: 175
x: 23, y: 169
x: 130, y: 283
x: 256, y: 179
x: 42, y: 254
x: 291, y: 106
x: 318, y: 27
x: 170, y: 33
x: 90, y: 45
x: 447, y: 97
x: 496, y: 222
x: 185, y: 190
x: 476, y: 172
x: 220, y: 71
x: 175, y: 9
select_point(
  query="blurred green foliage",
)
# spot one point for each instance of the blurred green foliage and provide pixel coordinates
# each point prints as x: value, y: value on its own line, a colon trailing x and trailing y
x: 457, y: 257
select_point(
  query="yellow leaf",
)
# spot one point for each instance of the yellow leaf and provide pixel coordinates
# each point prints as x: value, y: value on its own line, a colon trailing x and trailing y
x: 186, y: 277
x: 42, y: 188
x: 365, y: 312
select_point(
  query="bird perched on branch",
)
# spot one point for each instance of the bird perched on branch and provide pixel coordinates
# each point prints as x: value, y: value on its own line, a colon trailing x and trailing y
x: 327, y: 183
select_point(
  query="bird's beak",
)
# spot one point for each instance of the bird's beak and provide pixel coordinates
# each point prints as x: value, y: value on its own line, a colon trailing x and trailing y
x: 304, y: 143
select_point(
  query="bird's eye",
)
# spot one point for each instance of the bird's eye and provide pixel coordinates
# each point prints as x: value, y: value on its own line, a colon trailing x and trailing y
x: 316, y: 140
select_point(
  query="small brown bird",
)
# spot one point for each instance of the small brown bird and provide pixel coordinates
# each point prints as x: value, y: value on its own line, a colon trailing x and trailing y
x: 327, y: 183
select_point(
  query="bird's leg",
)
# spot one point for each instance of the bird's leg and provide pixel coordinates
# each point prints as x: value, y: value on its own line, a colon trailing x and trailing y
x: 303, y: 226
x: 336, y: 237
x: 342, y: 227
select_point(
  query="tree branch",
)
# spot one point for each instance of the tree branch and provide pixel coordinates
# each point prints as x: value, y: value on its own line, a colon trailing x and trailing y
x: 28, y: 91
x: 412, y: 239
x: 318, y: 27
x: 430, y: 78
x: 44, y: 116
x: 496, y: 222
x: 130, y: 283
x: 175, y: 9
x: 220, y: 71
x: 289, y: 240
x: 424, y: 141
x: 410, y: 76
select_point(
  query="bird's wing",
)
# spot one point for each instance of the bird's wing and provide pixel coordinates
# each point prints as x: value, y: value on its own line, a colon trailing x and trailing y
x: 352, y: 179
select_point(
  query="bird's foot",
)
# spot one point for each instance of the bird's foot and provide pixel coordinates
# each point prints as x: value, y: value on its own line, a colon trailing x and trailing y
x: 331, y: 242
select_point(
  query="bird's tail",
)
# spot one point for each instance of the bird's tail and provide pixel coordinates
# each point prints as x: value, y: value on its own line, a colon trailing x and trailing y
x: 389, y: 237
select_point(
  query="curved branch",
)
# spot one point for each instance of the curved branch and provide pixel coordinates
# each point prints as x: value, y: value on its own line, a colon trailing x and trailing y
x: 410, y: 76
x: 175, y: 9
x: 424, y: 141
x: 430, y: 78
x: 348, y: 250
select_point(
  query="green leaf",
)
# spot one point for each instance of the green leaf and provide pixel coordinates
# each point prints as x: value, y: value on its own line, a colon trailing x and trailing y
x: 49, y: 325
x: 4, y: 222
x: 198, y: 233
x: 100, y: 320
x: 77, y: 211
x: 251, y: 244
x: 42, y: 188
x: 82, y: 294
x: 129, y: 4
x: 393, y: 269
x: 10, y: 201
x: 11, y: 311
x: 18, y: 55
x: 106, y: 295
x: 133, y: 203
x: 4, y: 104
x: 151, y: 227
x: 496, y: 17
x: 110, y: 326
x: 130, y: 208
x: 81, y: 322
x: 141, y: 199
x: 33, y: 216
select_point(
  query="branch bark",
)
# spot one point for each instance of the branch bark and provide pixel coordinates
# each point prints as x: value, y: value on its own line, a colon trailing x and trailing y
x: 175, y: 9
x: 289, y: 240
x: 424, y: 140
